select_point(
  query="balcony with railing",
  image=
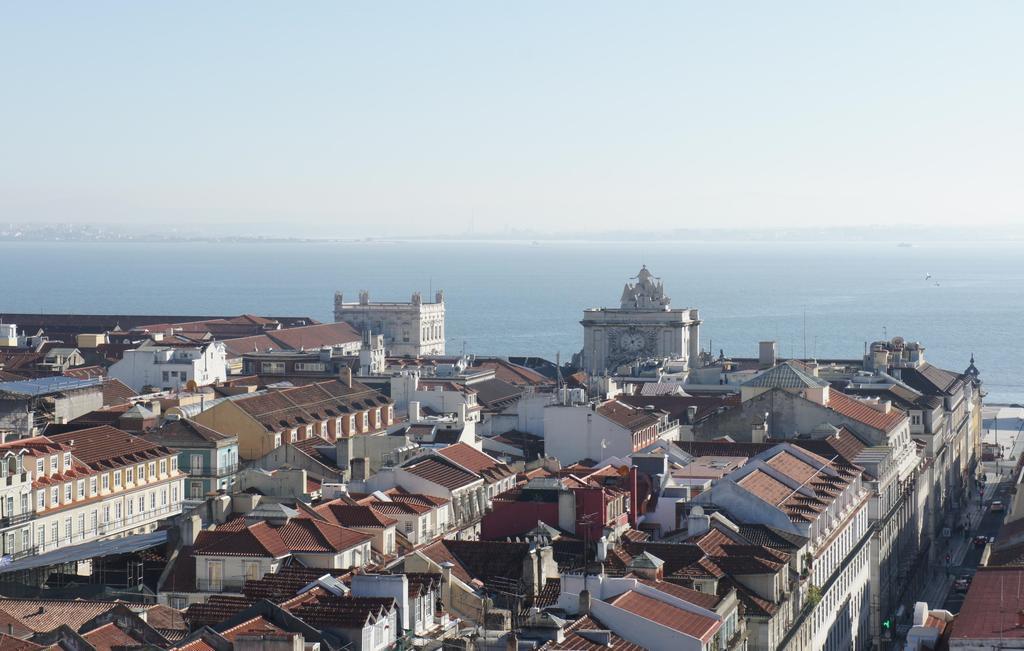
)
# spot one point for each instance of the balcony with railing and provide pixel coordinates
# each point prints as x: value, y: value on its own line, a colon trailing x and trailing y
x: 222, y: 470
x: 15, y: 520
x: 225, y: 584
x: 99, y: 531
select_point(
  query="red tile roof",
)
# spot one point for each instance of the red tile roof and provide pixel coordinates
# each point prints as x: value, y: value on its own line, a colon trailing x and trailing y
x: 442, y: 472
x: 286, y: 583
x: 108, y: 637
x: 330, y: 611
x: 216, y: 609
x: 290, y: 407
x: 254, y: 625
x: 230, y: 539
x: 397, y: 508
x: 44, y: 615
x: 108, y: 447
x: 198, y: 644
x: 513, y: 373
x: 684, y: 621
x: 479, y: 559
x: 864, y: 413
x: 353, y: 515
x: 479, y: 462
x: 579, y: 636
x: 313, y: 536
x: 304, y: 337
x: 629, y: 417
x: 399, y: 494
x: 990, y: 609
x: 796, y: 503
x: 695, y: 597
x: 10, y: 643
x: 116, y: 392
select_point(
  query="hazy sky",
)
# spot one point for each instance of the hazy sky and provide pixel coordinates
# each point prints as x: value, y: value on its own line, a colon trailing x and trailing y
x: 418, y: 117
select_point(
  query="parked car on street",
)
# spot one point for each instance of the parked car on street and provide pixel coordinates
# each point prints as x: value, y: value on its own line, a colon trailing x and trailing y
x: 997, y: 506
x: 962, y: 584
x: 980, y: 541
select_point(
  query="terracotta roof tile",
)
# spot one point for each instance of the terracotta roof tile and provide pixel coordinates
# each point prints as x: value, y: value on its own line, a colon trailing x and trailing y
x: 312, y: 536
x: 479, y: 559
x: 479, y: 462
x: 257, y: 539
x: 107, y: 446
x: 441, y: 472
x: 695, y: 597
x: 684, y: 621
x: 864, y: 413
x: 989, y: 611
x: 215, y: 610
x: 254, y: 625
x: 286, y: 583
x: 10, y: 643
x: 108, y: 637
x: 44, y: 615
x: 579, y: 637
x: 342, y: 612
x: 116, y: 392
x: 628, y: 416
x: 352, y: 515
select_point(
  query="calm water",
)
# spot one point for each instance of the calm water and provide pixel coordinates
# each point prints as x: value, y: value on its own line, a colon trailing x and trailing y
x: 510, y: 299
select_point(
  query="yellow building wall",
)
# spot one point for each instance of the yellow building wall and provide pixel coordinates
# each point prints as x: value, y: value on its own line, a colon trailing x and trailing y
x: 253, y: 440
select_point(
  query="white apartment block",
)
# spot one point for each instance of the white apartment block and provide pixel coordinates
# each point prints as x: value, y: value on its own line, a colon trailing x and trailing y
x: 826, y: 502
x: 82, y: 486
x: 171, y: 367
x: 410, y: 329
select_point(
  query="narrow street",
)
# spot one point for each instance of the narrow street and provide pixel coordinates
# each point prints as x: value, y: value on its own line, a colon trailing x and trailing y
x: 989, y: 527
x: 1001, y: 425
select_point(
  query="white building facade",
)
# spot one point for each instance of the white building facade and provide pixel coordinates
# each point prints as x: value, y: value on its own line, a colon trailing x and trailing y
x: 801, y: 493
x: 168, y: 368
x: 74, y: 488
x: 410, y: 329
x: 643, y: 327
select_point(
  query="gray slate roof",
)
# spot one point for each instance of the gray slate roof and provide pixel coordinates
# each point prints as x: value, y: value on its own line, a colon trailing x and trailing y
x: 785, y: 376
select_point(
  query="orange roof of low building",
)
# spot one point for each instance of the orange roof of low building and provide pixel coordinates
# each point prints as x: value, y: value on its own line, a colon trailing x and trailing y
x: 689, y: 623
x: 864, y: 413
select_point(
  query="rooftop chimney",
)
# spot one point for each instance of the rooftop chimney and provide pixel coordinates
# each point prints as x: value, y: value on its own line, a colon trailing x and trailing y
x: 584, y: 602
x: 697, y: 522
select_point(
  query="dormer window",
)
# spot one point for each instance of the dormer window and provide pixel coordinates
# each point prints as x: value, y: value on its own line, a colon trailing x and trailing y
x: 39, y: 467
x: 67, y: 460
x: 53, y: 463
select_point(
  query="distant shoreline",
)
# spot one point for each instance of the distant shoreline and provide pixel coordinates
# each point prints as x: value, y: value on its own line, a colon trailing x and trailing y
x: 654, y: 239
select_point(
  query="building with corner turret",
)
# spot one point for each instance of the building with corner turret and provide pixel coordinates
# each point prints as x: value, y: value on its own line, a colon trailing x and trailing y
x: 410, y: 329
